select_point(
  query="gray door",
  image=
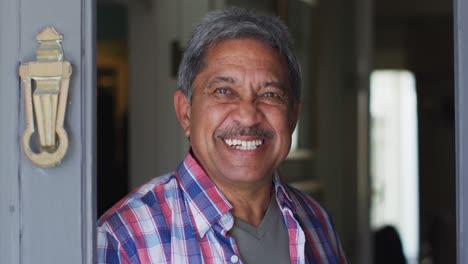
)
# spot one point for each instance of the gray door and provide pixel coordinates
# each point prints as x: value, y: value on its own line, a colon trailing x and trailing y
x: 47, y: 214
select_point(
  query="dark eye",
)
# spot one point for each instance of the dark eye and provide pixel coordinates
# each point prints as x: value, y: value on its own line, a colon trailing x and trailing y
x: 222, y: 90
x: 273, y: 97
x: 270, y: 95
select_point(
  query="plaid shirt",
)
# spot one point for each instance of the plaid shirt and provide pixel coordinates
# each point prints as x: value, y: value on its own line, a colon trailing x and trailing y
x: 183, y: 218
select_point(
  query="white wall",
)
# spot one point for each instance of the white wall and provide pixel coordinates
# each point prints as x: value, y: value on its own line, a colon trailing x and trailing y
x: 157, y: 143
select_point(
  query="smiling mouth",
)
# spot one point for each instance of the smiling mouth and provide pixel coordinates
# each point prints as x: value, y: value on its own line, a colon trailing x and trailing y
x: 243, y: 144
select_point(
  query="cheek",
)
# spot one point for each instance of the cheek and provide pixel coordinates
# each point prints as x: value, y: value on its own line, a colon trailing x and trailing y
x: 278, y: 118
x: 207, y: 118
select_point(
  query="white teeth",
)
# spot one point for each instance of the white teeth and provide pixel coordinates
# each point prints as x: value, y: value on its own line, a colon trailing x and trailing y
x: 243, y: 144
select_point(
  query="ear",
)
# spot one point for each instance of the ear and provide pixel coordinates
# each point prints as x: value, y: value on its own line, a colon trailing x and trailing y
x: 182, y: 110
x: 295, y: 116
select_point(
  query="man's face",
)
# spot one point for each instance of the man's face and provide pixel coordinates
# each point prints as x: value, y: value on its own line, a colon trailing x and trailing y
x: 241, y: 119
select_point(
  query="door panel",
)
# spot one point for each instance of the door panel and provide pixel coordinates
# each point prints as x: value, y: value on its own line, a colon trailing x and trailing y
x: 50, y: 212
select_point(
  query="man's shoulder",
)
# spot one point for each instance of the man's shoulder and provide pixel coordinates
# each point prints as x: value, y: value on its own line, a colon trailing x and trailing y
x: 144, y: 196
x: 307, y: 206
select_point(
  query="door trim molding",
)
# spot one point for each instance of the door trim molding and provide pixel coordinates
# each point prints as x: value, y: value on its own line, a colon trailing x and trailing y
x: 461, y: 123
x: 88, y: 71
x: 9, y: 131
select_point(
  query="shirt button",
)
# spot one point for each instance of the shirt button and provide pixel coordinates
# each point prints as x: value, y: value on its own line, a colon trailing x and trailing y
x: 234, y: 259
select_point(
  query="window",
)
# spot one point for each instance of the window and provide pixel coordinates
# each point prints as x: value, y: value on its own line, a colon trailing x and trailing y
x: 394, y: 156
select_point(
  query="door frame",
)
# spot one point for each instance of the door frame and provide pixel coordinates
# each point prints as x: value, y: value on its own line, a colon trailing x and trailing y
x: 461, y: 125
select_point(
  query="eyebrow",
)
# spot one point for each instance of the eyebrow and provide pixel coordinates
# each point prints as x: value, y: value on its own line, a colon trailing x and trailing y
x: 274, y: 84
x: 231, y: 80
x: 221, y: 79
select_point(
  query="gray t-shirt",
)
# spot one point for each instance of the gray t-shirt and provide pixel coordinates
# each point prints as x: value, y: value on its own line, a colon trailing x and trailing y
x: 266, y: 243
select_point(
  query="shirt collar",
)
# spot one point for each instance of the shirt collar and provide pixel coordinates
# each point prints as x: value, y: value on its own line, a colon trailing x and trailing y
x: 206, y: 202
x: 282, y: 196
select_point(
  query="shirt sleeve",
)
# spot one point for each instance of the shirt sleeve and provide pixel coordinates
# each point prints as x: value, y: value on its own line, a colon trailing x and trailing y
x: 340, y: 252
x: 109, y: 249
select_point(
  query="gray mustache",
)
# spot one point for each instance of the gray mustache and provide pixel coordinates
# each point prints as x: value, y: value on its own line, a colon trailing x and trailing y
x: 244, y: 131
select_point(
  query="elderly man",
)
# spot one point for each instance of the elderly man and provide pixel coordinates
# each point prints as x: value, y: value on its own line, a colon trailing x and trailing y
x: 238, y: 103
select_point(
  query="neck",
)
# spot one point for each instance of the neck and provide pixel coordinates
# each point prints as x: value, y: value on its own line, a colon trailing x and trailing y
x: 249, y: 203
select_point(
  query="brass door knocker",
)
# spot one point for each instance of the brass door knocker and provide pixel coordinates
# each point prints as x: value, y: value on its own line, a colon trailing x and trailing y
x: 46, y: 82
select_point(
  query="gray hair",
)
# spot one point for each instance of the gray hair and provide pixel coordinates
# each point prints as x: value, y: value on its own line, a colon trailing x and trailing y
x: 236, y: 23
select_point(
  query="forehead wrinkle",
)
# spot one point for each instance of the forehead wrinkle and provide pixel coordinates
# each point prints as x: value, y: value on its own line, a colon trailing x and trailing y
x: 238, y: 75
x: 236, y: 68
x: 244, y: 61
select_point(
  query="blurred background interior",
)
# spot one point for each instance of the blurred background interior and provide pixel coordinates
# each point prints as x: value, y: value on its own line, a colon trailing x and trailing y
x: 375, y: 141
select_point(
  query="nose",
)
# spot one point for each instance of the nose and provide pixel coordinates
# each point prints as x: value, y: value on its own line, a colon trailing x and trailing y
x: 248, y: 113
